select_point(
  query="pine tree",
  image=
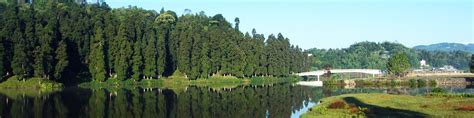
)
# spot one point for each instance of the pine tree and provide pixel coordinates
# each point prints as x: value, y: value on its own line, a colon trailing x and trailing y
x: 110, y: 42
x: 398, y: 64
x: 250, y: 53
x: 163, y: 25
x: 122, y: 61
x: 204, y: 57
x: 472, y: 63
x: 259, y: 41
x: 237, y: 63
x: 184, y: 51
x: 28, y: 18
x: 97, y: 55
x: 272, y: 55
x: 44, y: 52
x: 2, y: 58
x: 62, y: 60
x: 20, y: 63
x: 216, y: 53
x: 137, y: 58
x: 135, y: 43
x: 150, y: 56
x: 195, y: 55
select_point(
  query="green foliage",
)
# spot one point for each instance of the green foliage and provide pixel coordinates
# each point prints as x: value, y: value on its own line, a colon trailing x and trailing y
x: 32, y: 83
x: 388, y: 105
x: 62, y: 58
x: 2, y: 58
x: 472, y: 63
x: 438, y: 90
x: 150, y: 56
x: 446, y: 47
x: 97, y: 55
x: 433, y: 83
x: 63, y: 41
x: 367, y: 55
x: 457, y: 59
x: 422, y: 83
x: 444, y: 94
x: 413, y: 83
x: 137, y: 61
x: 398, y: 64
x: 373, y: 55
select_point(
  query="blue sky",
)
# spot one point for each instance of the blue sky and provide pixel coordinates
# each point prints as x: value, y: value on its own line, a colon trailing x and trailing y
x: 338, y: 23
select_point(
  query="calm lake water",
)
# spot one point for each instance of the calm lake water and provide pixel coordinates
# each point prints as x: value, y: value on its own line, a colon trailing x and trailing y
x: 275, y: 101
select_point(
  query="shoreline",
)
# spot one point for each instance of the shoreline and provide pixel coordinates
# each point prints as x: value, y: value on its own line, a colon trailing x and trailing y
x: 364, y: 105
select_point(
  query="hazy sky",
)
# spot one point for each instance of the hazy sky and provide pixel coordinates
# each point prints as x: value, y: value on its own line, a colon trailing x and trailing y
x: 337, y: 23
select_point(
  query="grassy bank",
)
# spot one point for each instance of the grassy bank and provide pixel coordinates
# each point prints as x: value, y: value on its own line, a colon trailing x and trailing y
x: 31, y: 87
x: 177, y: 82
x: 413, y: 82
x: 30, y: 83
x: 387, y: 105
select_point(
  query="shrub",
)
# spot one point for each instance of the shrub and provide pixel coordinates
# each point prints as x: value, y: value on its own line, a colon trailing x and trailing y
x: 438, y: 90
x: 466, y: 108
x: 337, y: 105
x: 412, y: 82
x: 393, y: 82
x: 433, y: 83
x: 331, y: 82
x: 364, y: 82
x: 360, y: 111
x: 354, y: 110
x: 421, y: 83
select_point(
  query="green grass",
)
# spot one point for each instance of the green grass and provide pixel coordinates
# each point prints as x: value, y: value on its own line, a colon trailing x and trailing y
x: 366, y: 82
x: 386, y: 105
x: 31, y: 87
x: 30, y: 83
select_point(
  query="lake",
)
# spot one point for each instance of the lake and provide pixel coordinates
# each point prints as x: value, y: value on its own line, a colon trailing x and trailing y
x: 274, y: 101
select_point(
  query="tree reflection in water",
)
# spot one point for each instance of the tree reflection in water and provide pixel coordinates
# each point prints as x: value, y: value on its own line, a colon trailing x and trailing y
x: 246, y: 101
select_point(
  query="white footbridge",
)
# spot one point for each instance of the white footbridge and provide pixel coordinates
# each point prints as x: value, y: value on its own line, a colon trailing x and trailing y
x: 318, y: 73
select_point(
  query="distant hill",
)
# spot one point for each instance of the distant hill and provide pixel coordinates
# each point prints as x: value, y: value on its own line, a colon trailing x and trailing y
x: 447, y: 47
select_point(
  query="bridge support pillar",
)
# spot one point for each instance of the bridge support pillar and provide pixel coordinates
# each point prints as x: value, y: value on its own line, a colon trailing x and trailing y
x: 373, y: 75
x: 318, y: 77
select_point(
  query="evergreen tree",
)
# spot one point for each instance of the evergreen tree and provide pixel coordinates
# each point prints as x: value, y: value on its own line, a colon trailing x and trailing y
x: 271, y: 55
x: 195, y: 55
x: 21, y: 66
x: 398, y: 64
x: 164, y: 23
x: 248, y: 47
x: 260, y: 53
x: 110, y: 46
x: 62, y: 59
x: 150, y: 56
x: 472, y: 63
x: 70, y: 40
x: 137, y: 60
x: 2, y: 58
x: 122, y: 61
x: 97, y: 55
x: 184, y: 51
x: 204, y: 58
x: 44, y: 52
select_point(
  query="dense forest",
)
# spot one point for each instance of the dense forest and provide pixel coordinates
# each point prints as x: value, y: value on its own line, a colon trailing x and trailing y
x: 371, y: 55
x: 447, y: 47
x: 64, y: 41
